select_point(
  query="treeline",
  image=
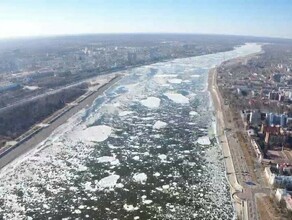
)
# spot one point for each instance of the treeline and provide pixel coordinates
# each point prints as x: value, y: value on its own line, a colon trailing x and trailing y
x: 18, y: 119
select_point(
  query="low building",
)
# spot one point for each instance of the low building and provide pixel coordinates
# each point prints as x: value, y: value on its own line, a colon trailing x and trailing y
x: 275, y: 119
x: 288, y: 200
x: 274, y: 95
x: 276, y: 179
x: 283, y: 194
x: 257, y: 150
x: 270, y: 175
x: 255, y: 117
x: 280, y: 193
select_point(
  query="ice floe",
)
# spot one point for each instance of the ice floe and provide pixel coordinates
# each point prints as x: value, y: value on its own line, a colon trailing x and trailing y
x: 108, y: 182
x: 140, y: 177
x: 193, y: 113
x: 130, y: 208
x: 147, y: 201
x: 175, y: 81
x: 94, y: 134
x: 166, y: 75
x: 136, y: 158
x: 156, y: 174
x: 151, y: 102
x: 195, y: 76
x: 187, y: 81
x: 165, y: 187
x: 124, y: 113
x: 204, y: 140
x: 108, y: 159
x: 177, y: 98
x: 162, y: 156
x: 159, y: 125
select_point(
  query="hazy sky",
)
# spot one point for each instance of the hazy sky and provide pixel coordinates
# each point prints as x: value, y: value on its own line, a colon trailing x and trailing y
x: 59, y: 17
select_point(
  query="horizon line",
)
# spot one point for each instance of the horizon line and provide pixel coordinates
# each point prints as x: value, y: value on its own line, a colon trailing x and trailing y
x: 133, y: 33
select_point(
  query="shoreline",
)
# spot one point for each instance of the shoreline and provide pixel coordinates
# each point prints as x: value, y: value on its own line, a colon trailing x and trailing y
x: 223, y: 143
x: 32, y: 141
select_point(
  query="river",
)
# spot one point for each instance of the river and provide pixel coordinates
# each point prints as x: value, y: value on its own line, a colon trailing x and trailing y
x: 146, y: 149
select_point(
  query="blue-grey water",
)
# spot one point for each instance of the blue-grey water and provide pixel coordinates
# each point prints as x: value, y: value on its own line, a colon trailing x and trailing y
x: 144, y: 150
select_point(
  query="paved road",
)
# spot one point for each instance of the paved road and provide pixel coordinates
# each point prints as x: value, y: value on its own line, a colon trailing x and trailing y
x: 45, y: 132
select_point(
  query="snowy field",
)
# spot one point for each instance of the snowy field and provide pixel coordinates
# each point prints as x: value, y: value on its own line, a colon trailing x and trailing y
x: 144, y: 150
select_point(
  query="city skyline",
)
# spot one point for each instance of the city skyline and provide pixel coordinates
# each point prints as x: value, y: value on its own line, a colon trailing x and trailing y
x: 46, y: 18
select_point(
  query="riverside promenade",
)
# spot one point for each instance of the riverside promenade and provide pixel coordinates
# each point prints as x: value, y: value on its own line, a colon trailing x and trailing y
x: 237, y: 171
x: 235, y: 187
